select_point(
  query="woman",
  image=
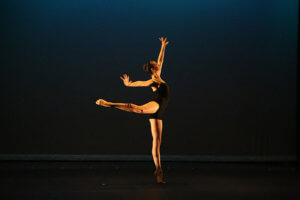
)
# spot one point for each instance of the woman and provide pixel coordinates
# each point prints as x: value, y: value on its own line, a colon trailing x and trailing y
x: 154, y: 108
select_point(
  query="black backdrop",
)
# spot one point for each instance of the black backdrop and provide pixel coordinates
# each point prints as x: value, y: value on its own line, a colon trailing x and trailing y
x: 231, y: 66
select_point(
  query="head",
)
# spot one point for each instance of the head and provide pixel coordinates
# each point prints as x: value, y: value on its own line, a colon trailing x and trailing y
x: 150, y: 67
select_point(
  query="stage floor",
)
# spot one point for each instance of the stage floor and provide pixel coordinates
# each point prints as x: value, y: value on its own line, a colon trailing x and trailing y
x: 135, y: 180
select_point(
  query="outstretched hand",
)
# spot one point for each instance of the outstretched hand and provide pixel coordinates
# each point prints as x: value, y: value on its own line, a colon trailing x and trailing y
x: 126, y: 80
x: 164, y: 41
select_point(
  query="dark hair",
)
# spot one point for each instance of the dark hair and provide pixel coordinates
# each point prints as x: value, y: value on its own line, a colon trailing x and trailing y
x: 148, y: 66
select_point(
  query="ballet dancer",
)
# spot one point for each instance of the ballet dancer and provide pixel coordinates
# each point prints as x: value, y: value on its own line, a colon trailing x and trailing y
x: 154, y: 109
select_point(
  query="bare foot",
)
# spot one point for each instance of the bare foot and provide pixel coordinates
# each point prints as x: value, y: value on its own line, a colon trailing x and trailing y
x: 159, y: 176
x: 102, y: 102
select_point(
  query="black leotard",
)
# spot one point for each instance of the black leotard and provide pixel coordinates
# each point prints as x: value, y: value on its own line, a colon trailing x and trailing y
x: 161, y: 96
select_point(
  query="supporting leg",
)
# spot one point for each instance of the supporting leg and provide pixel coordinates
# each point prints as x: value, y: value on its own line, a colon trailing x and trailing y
x: 159, y: 127
x: 156, y: 130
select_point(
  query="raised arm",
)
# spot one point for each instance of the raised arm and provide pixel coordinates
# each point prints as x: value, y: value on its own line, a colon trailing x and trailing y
x: 129, y: 83
x: 161, y: 56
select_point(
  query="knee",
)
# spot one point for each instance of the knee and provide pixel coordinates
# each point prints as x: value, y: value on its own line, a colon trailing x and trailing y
x: 154, y: 152
x: 159, y: 142
x: 156, y: 140
x: 156, y: 144
x: 129, y: 106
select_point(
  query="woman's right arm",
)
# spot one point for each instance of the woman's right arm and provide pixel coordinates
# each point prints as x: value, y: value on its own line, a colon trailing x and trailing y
x: 161, y: 55
x: 129, y: 83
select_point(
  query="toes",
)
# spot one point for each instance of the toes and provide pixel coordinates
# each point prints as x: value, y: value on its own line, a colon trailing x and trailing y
x: 101, y: 102
x: 98, y: 102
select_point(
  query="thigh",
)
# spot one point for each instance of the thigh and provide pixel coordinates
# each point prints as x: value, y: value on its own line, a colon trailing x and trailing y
x: 150, y: 107
x: 156, y: 128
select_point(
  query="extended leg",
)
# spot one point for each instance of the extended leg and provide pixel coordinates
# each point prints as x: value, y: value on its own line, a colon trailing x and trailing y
x: 148, y: 108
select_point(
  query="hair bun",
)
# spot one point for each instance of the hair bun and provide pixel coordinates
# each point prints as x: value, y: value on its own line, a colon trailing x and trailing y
x: 148, y: 66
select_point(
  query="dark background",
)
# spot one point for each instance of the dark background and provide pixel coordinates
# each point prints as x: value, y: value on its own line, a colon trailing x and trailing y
x: 231, y: 66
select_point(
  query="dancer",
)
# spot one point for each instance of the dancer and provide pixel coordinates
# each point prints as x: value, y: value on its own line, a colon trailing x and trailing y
x: 154, y: 108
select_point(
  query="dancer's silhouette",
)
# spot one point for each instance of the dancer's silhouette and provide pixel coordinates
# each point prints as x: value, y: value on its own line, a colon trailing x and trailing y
x: 154, y: 108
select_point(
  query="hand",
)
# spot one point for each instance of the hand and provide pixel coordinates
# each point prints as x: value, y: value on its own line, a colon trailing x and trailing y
x: 126, y: 80
x: 164, y: 41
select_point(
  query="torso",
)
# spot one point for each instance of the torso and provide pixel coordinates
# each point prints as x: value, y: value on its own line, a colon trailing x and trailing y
x: 154, y: 88
x: 161, y: 96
